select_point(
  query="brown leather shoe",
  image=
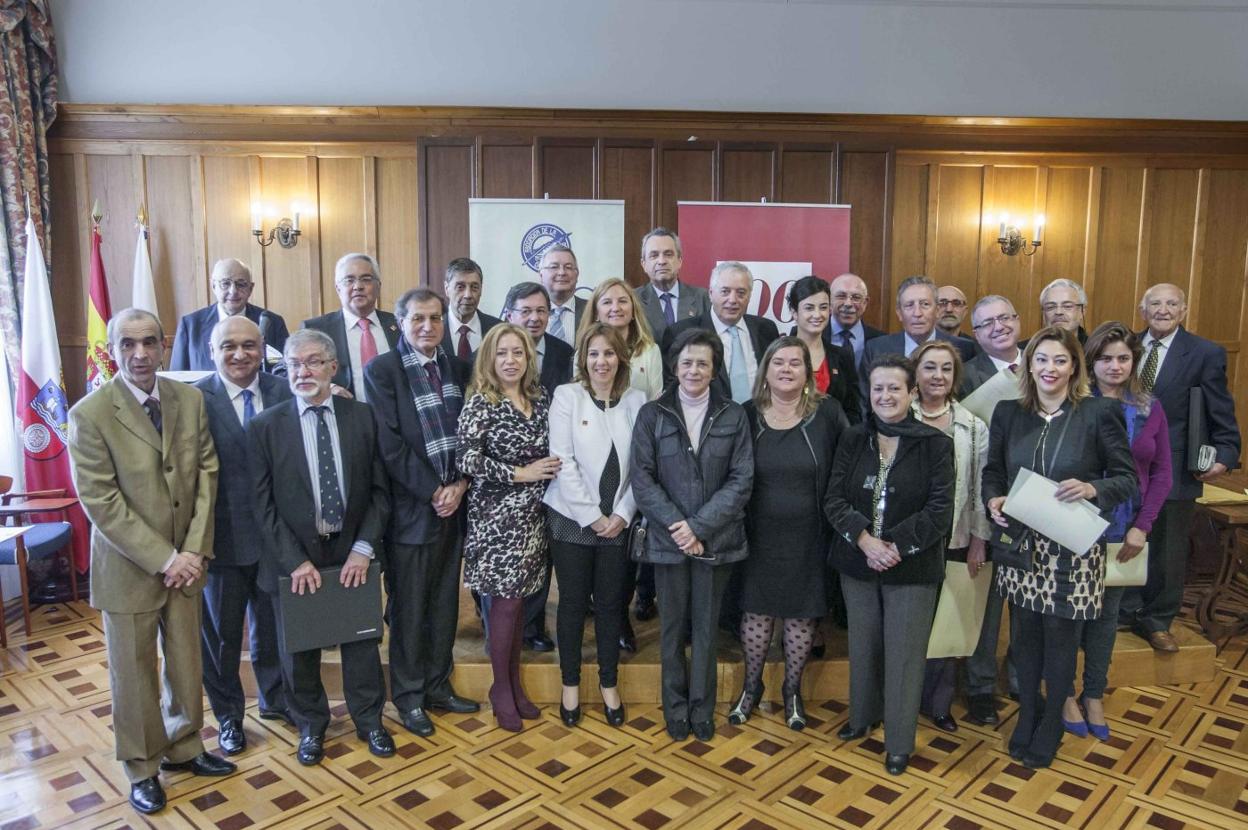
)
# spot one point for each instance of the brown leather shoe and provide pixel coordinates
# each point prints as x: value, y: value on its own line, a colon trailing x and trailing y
x: 1163, y: 641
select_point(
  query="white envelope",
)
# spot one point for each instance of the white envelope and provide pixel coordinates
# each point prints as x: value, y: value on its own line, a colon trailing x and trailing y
x: 1074, y: 525
x: 1003, y: 386
x: 1130, y: 573
x: 960, y: 611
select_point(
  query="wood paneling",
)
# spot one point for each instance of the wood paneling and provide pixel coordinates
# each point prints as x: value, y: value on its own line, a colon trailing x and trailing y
x: 110, y: 179
x: 1120, y: 213
x: 290, y: 272
x: 1221, y: 294
x: 567, y: 170
x: 227, y: 222
x: 864, y: 186
x: 1172, y: 214
x: 398, y: 226
x: 953, y: 228
x: 169, y: 193
x: 748, y: 175
x: 1011, y: 189
x: 628, y: 174
x: 506, y: 171
x: 686, y: 174
x: 1066, y: 209
x: 910, y: 204
x: 341, y: 217
x: 808, y: 176
x: 446, y: 185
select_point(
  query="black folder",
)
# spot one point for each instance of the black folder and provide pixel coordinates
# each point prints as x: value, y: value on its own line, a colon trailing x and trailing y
x: 334, y: 614
x: 1197, y: 433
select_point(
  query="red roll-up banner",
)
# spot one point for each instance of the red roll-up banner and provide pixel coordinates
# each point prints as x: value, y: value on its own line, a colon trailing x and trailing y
x: 779, y: 242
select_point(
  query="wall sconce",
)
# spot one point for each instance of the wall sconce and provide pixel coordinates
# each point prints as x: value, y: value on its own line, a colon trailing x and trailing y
x: 285, y: 232
x: 1011, y: 239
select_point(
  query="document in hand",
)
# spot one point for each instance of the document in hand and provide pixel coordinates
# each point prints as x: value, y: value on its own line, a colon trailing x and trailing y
x: 1074, y: 525
x: 1003, y: 386
x: 960, y: 611
x: 1132, y: 572
x: 334, y: 614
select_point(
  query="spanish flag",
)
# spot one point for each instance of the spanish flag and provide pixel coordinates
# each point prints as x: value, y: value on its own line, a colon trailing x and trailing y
x: 100, y: 365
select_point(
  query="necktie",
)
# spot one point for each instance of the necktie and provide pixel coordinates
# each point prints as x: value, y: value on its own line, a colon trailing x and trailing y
x: 738, y: 375
x: 556, y: 323
x: 1149, y: 376
x: 669, y: 313
x: 847, y: 338
x: 1013, y: 368
x: 368, y: 343
x: 249, y: 408
x: 464, y: 350
x: 327, y: 472
x: 435, y: 377
x: 152, y: 407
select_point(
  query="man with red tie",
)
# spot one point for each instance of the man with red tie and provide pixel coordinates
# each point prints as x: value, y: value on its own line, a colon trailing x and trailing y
x: 360, y: 332
x: 465, y: 325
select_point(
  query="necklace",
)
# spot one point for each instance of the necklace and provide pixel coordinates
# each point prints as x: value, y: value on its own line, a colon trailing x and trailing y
x: 931, y: 416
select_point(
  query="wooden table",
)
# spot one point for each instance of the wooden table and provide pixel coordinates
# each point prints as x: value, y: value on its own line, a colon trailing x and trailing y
x: 1228, y: 520
x: 59, y: 505
x: 7, y: 533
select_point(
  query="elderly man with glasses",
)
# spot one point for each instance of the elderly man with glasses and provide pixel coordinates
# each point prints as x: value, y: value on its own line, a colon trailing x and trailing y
x: 232, y: 286
x: 951, y: 311
x: 1063, y: 302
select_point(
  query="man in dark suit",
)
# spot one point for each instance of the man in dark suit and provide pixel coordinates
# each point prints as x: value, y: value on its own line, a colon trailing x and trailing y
x: 665, y: 299
x: 1176, y: 363
x: 323, y: 502
x: 232, y: 397
x: 528, y: 306
x: 146, y: 473
x: 745, y: 336
x: 232, y: 285
x: 360, y: 332
x: 847, y: 329
x: 416, y: 393
x: 560, y: 273
x: 996, y: 325
x: 465, y: 323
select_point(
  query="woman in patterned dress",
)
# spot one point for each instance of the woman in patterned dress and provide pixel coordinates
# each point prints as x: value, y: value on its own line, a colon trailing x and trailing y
x: 1062, y: 433
x: 504, y: 445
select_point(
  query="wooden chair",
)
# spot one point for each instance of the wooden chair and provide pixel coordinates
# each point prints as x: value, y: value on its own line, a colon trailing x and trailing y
x: 42, y: 541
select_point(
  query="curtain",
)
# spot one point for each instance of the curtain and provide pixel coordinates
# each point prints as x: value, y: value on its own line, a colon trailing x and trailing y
x: 27, y: 109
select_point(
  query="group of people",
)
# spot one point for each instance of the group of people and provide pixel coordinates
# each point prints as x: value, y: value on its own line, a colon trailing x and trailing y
x: 658, y: 444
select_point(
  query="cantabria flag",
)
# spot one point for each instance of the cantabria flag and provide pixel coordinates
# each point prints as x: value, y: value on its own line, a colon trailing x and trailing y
x: 507, y: 238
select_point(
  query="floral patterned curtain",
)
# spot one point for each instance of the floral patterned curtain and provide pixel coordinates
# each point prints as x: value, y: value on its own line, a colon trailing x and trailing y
x: 27, y: 109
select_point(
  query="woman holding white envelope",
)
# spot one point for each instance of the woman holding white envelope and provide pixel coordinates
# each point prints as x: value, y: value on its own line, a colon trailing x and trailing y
x: 1113, y: 352
x: 1057, y: 431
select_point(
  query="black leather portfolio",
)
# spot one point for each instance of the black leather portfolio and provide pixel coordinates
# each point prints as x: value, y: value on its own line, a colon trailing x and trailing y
x: 334, y: 614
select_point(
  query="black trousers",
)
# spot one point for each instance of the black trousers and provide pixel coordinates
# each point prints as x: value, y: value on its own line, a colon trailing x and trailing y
x: 1154, y: 606
x: 422, y: 583
x: 689, y: 596
x: 1045, y: 648
x: 585, y: 570
x: 230, y: 595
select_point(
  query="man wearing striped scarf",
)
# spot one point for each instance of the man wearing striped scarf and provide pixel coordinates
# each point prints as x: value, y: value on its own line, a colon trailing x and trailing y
x: 416, y: 392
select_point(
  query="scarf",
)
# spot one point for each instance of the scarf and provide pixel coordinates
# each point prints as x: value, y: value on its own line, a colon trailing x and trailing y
x: 438, y: 413
x: 907, y: 427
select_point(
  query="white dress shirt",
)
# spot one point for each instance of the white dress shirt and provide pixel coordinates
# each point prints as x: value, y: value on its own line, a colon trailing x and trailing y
x: 474, y: 331
x: 353, y: 346
x: 911, y: 345
x: 1161, y: 352
x: 1002, y: 365
x: 308, y: 422
x: 747, y: 346
x: 236, y: 396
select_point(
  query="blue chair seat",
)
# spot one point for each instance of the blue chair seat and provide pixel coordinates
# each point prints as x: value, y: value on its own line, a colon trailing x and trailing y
x: 42, y: 540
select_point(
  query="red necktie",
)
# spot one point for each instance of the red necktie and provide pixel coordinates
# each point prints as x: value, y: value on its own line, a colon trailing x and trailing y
x: 368, y: 344
x: 464, y: 350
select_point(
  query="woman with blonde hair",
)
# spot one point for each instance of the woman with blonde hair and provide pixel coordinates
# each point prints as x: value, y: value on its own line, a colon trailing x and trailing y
x: 615, y: 303
x: 504, y: 445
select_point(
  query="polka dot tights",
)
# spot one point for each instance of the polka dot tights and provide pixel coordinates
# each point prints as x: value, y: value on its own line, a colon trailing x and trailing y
x: 799, y: 638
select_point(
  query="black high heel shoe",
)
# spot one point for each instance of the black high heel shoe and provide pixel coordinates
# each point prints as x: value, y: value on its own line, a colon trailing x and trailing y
x: 570, y: 717
x: 746, y: 701
x: 794, y: 712
x: 615, y: 717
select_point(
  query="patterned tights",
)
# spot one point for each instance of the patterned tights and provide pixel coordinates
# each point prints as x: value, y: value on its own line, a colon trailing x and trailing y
x: 799, y: 638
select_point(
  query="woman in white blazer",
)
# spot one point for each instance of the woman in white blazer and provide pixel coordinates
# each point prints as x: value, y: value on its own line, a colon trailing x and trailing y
x: 589, y: 507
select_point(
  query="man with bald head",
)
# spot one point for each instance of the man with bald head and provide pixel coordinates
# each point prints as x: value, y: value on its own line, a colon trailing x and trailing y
x: 1177, y: 365
x: 232, y: 286
x: 951, y: 311
x: 847, y: 329
x: 233, y: 395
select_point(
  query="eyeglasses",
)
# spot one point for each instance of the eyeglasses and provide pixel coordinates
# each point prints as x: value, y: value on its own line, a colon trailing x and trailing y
x: 841, y: 296
x: 560, y: 267
x: 314, y: 364
x: 992, y: 322
x: 362, y: 281
x: 230, y: 285
x: 528, y: 313
x: 1049, y: 308
x: 956, y: 303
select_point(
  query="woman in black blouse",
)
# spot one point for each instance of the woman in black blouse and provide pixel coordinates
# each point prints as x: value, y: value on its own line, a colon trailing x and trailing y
x: 890, y: 503
x: 795, y: 430
x: 1059, y: 431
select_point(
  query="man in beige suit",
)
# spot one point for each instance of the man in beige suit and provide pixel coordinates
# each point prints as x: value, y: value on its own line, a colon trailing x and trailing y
x: 146, y: 472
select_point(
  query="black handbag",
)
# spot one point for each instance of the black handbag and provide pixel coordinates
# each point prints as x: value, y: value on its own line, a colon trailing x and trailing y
x: 637, y: 539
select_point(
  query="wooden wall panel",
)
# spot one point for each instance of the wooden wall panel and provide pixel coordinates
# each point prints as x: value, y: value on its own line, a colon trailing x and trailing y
x: 1220, y: 297
x: 909, y: 249
x: 628, y: 174
x: 807, y: 176
x: 111, y: 180
x: 1066, y: 211
x: 227, y: 223
x: 1171, y: 206
x: 446, y: 185
x: 506, y: 171
x: 953, y: 228
x: 687, y: 174
x: 864, y: 186
x: 1120, y: 213
x: 398, y: 225
x: 341, y: 216
x: 567, y: 171
x: 172, y: 241
x: 1011, y: 189
x: 747, y: 175
x: 290, y: 272
x: 68, y: 246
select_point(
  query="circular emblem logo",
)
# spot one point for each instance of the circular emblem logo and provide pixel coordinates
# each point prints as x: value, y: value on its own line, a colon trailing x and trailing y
x: 537, y: 239
x: 36, y: 438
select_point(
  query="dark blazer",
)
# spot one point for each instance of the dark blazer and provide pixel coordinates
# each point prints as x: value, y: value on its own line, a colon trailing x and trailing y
x: 977, y: 372
x: 287, y: 506
x: 556, y: 364
x: 190, y: 343
x: 238, y: 540
x: 843, y: 387
x: 918, y: 511
x: 895, y: 343
x: 762, y: 332
x: 450, y: 339
x: 1196, y: 363
x: 401, y: 439
x: 335, y: 326
x: 692, y: 302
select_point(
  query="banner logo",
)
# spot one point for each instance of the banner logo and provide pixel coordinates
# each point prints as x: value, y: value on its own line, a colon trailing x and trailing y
x: 49, y: 404
x: 537, y: 239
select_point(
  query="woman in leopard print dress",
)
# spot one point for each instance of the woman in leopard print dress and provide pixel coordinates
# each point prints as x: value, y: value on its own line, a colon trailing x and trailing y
x: 504, y: 444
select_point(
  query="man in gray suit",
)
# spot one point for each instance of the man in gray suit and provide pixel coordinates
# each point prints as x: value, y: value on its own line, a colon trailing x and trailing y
x: 666, y: 300
x: 233, y: 395
x: 996, y: 324
x: 560, y: 274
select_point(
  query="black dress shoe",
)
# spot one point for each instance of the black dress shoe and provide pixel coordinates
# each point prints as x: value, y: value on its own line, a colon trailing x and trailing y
x: 570, y: 717
x: 945, y: 723
x: 379, y: 742
x: 205, y: 763
x: 981, y: 710
x: 678, y: 730
x: 231, y: 737
x: 644, y: 610
x: 453, y: 703
x: 896, y: 764
x: 311, y: 750
x: 1035, y: 762
x: 704, y: 730
x: 539, y: 643
x: 417, y: 722
x: 277, y: 714
x: 147, y: 796
x: 849, y: 733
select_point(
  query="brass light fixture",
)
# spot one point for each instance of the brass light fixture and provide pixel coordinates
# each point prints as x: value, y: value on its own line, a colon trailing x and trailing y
x: 285, y: 232
x: 1012, y: 241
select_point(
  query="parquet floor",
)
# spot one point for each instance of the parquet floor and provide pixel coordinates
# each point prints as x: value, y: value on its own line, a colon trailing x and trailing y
x: 1178, y: 758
